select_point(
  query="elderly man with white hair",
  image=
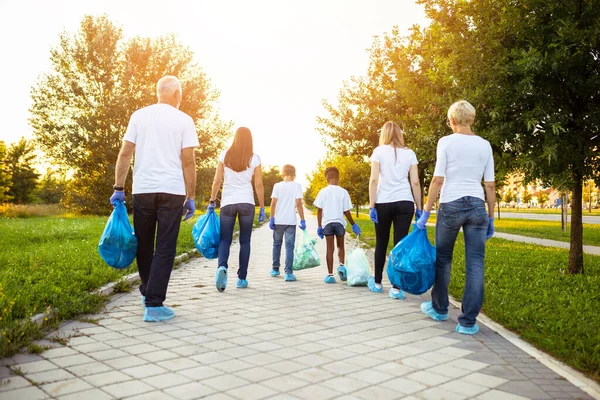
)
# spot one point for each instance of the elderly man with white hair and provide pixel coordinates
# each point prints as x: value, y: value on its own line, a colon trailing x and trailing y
x: 164, y: 185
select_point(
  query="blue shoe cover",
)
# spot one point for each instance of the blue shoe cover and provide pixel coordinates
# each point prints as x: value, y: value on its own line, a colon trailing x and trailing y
x: 221, y: 278
x: 467, y: 330
x: 290, y: 277
x: 144, y: 301
x: 372, y: 287
x: 396, y: 295
x: 329, y: 279
x: 157, y: 314
x: 342, y: 273
x: 275, y: 272
x: 427, y: 309
x: 241, y: 283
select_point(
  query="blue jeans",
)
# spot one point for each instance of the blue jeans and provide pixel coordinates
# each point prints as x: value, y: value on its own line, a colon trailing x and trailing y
x: 470, y: 214
x: 290, y: 237
x: 245, y: 214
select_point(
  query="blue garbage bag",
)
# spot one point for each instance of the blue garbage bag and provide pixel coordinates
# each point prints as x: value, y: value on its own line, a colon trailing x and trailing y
x: 207, y: 234
x: 305, y: 255
x: 411, y: 264
x: 118, y: 244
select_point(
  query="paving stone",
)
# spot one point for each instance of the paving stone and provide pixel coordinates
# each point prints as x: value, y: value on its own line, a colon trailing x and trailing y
x: 314, y: 392
x: 91, y: 394
x: 52, y: 375
x: 166, y: 380
x: 439, y: 394
x: 35, y: 366
x: 71, y: 361
x: 499, y: 395
x: 65, y: 387
x: 107, y: 378
x: 403, y: 385
x: 26, y: 393
x: 379, y: 393
x: 200, y: 373
x: 13, y: 382
x: 125, y: 362
x: 58, y: 352
x: 523, y: 388
x: 126, y: 389
x: 89, y: 369
x: 224, y: 383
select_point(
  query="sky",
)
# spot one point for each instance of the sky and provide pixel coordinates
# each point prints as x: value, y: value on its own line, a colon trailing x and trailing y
x: 273, y: 61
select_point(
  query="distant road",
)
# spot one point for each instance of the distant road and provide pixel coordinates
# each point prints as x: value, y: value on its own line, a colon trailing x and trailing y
x: 587, y: 219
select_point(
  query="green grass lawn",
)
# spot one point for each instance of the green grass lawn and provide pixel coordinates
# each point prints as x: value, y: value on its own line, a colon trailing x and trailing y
x: 528, y: 290
x: 53, y: 263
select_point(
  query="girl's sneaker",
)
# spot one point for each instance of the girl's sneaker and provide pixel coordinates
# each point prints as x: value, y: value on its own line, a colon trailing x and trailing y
x: 373, y: 286
x: 221, y: 278
x: 396, y: 294
x: 467, y: 330
x: 427, y: 309
x: 241, y: 283
x: 275, y: 272
x: 329, y: 279
x: 290, y: 277
x: 342, y: 272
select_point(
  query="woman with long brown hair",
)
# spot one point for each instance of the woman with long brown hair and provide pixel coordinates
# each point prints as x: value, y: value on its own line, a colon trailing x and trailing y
x: 237, y: 166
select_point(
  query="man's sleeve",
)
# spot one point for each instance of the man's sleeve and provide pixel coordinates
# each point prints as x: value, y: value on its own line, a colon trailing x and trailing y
x: 440, y: 163
x: 488, y: 173
x: 131, y: 133
x: 190, y: 137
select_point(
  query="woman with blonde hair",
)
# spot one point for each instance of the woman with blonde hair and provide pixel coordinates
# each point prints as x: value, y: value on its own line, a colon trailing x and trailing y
x: 237, y: 166
x: 463, y: 161
x: 394, y: 189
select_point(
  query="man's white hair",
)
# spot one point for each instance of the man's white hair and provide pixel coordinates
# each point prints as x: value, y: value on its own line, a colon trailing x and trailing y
x: 167, y: 85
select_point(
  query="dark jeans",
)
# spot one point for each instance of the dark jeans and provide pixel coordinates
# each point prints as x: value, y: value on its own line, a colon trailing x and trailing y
x: 470, y: 214
x: 290, y: 237
x: 155, y: 264
x: 399, y: 213
x: 245, y: 214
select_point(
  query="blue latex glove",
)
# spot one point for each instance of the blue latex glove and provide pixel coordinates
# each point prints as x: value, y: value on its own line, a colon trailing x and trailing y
x: 423, y: 219
x: 320, y: 233
x: 272, y: 223
x: 189, y: 208
x: 356, y: 229
x: 118, y: 195
x: 302, y: 224
x: 418, y: 214
x: 261, y: 215
x: 490, y: 231
x: 373, y: 215
x: 211, y: 206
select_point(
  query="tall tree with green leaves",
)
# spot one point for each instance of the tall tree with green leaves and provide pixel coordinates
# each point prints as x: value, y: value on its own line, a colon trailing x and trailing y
x: 5, y: 178
x: 98, y: 79
x: 19, y: 161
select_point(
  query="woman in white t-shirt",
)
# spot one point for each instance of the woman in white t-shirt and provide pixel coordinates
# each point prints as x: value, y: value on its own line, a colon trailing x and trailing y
x: 237, y: 166
x: 463, y: 160
x: 392, y: 196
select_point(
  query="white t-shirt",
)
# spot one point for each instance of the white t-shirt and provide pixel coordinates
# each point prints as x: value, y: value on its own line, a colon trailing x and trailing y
x: 160, y: 132
x: 463, y: 160
x: 393, y: 173
x: 237, y: 186
x: 334, y: 201
x: 286, y: 194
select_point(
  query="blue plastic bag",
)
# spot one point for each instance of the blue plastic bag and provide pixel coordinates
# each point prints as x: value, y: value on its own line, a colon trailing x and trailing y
x: 207, y: 234
x: 305, y: 255
x: 118, y: 244
x: 411, y: 264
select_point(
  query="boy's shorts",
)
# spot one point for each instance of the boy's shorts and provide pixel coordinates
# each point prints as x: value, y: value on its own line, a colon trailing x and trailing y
x: 334, y: 228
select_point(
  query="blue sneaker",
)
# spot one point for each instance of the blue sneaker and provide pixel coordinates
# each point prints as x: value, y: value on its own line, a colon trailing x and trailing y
x: 157, y: 314
x: 372, y: 287
x: 290, y: 277
x: 342, y: 273
x: 467, y: 330
x: 275, y: 272
x: 329, y: 279
x: 427, y: 309
x: 144, y: 301
x: 241, y: 283
x: 396, y: 294
x: 221, y: 278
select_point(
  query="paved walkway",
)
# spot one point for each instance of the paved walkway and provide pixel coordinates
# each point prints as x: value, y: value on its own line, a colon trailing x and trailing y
x: 545, y: 242
x: 280, y: 340
x: 587, y: 219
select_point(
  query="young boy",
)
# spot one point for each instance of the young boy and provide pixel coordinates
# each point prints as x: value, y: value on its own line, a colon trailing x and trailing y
x: 285, y: 200
x: 333, y: 202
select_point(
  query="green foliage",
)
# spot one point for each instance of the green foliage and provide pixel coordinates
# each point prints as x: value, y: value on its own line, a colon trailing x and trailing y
x: 270, y: 176
x: 19, y: 161
x: 81, y: 108
x: 526, y: 197
x: 542, y: 198
x: 51, y: 187
x: 5, y: 178
x: 509, y: 197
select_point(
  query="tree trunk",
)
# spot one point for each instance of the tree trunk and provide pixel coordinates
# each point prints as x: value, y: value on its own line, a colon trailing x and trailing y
x: 498, y: 204
x: 563, y: 211
x: 576, y: 249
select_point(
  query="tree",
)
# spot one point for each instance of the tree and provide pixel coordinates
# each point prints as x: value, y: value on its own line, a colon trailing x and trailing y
x: 5, y: 178
x: 51, y: 187
x: 526, y: 197
x: 270, y: 175
x: 509, y: 197
x: 19, y: 161
x: 81, y: 108
x: 542, y: 198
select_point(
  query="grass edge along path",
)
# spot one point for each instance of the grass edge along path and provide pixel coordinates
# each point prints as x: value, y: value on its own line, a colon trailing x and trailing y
x: 56, y: 259
x: 529, y: 291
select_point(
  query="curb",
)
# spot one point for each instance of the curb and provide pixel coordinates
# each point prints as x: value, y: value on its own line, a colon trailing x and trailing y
x: 575, y: 377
